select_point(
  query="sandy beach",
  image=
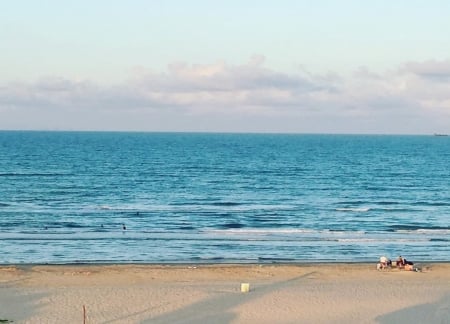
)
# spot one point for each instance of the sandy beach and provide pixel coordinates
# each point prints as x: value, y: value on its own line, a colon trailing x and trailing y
x: 318, y: 293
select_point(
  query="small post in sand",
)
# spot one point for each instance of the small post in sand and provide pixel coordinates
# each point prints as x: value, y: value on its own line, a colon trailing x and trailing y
x: 84, y: 314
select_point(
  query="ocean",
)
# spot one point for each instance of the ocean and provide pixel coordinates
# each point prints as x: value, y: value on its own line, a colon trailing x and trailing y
x: 117, y: 197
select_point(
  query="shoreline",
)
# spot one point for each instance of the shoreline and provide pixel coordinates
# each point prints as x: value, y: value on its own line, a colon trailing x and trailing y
x: 293, y: 263
x: 192, y: 293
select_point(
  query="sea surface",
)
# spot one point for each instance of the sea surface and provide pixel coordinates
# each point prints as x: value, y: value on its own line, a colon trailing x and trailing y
x: 99, y: 197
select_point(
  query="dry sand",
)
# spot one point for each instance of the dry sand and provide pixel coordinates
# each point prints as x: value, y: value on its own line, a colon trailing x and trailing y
x: 330, y: 293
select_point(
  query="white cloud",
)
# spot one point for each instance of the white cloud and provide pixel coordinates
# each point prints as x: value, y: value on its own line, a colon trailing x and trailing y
x: 188, y: 96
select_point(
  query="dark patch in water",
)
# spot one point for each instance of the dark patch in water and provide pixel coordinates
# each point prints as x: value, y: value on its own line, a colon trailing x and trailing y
x: 431, y: 203
x: 64, y: 224
x: 396, y: 210
x: 13, y: 174
x: 232, y: 225
x: 387, y: 203
x: 226, y: 204
x: 394, y: 228
x: 275, y: 259
x: 187, y: 228
x: 351, y: 203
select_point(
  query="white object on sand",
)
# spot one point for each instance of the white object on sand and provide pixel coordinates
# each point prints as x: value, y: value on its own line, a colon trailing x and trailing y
x: 245, y: 287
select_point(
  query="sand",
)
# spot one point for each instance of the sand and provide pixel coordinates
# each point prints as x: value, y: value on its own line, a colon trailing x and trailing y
x: 327, y: 293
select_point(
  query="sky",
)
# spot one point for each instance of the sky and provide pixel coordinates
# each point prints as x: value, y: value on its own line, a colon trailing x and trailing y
x: 288, y: 66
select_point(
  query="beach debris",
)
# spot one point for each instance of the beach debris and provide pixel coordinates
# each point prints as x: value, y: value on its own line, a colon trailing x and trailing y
x: 245, y: 287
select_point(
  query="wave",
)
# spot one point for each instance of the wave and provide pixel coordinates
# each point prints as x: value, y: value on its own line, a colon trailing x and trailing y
x: 232, y: 225
x: 396, y: 209
x: 120, y: 208
x: 419, y: 228
x: 388, y: 203
x: 380, y: 239
x: 433, y: 231
x: 346, y: 203
x: 64, y: 225
x: 226, y: 203
x: 431, y: 203
x: 379, y: 209
x: 352, y: 202
x: 439, y: 240
x: 352, y: 209
x: 273, y: 259
x: 42, y: 235
x: 31, y: 174
x: 186, y: 228
x: 261, y: 231
x: 214, y: 209
x: 4, y: 205
x: 283, y: 231
x: 207, y: 259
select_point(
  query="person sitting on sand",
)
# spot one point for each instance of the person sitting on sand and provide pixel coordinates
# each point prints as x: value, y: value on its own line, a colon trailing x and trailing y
x: 385, y: 262
x: 405, y: 262
x: 400, y: 263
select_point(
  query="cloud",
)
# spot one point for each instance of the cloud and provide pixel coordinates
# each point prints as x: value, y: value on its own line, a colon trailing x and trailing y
x: 189, y: 96
x: 432, y: 70
x: 221, y: 85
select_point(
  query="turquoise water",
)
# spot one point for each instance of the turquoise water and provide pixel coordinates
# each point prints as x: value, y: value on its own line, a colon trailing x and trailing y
x: 65, y: 197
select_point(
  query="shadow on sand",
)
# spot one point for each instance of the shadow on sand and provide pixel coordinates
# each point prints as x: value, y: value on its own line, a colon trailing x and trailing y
x: 18, y: 304
x: 438, y: 312
x: 218, y: 309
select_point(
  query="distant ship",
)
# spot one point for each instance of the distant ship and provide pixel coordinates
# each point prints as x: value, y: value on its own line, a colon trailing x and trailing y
x: 435, y: 134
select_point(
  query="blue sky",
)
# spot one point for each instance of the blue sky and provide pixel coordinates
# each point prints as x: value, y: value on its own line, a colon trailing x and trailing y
x: 248, y: 66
